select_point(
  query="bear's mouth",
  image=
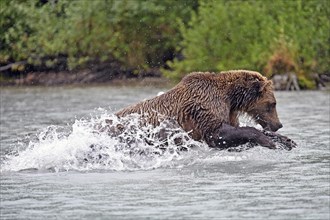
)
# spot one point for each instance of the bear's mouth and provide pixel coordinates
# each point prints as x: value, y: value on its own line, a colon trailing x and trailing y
x: 268, y: 126
x: 271, y: 127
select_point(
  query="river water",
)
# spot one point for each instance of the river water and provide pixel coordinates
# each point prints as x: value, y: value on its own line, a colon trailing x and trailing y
x: 46, y: 132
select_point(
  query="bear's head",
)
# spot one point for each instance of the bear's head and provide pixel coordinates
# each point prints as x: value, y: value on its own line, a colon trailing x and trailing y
x: 263, y: 109
x: 250, y: 92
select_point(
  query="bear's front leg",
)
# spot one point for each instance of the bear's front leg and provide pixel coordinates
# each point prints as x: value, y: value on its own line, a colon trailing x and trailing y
x: 227, y: 136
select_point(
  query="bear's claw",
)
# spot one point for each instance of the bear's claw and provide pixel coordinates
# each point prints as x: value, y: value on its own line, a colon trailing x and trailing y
x: 280, y: 140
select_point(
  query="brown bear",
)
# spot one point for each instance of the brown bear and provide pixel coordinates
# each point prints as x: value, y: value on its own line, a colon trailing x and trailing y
x: 207, y: 106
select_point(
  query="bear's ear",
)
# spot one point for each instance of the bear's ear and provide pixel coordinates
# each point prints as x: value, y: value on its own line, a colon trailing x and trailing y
x: 259, y: 85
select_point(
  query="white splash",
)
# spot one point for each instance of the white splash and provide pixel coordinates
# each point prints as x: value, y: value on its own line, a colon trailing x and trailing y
x: 91, y: 144
x: 98, y: 143
x: 160, y: 93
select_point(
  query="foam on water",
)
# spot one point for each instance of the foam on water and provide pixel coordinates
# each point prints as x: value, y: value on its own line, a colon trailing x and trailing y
x: 90, y: 144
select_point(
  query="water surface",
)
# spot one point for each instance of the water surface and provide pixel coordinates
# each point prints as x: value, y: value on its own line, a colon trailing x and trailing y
x: 47, y: 128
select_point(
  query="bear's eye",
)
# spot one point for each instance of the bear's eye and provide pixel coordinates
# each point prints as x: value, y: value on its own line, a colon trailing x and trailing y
x: 271, y: 106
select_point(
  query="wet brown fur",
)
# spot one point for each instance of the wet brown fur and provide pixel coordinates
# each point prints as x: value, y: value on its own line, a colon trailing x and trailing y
x: 202, y: 102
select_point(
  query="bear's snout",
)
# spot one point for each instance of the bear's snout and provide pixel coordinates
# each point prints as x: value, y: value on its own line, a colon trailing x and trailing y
x: 276, y: 127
